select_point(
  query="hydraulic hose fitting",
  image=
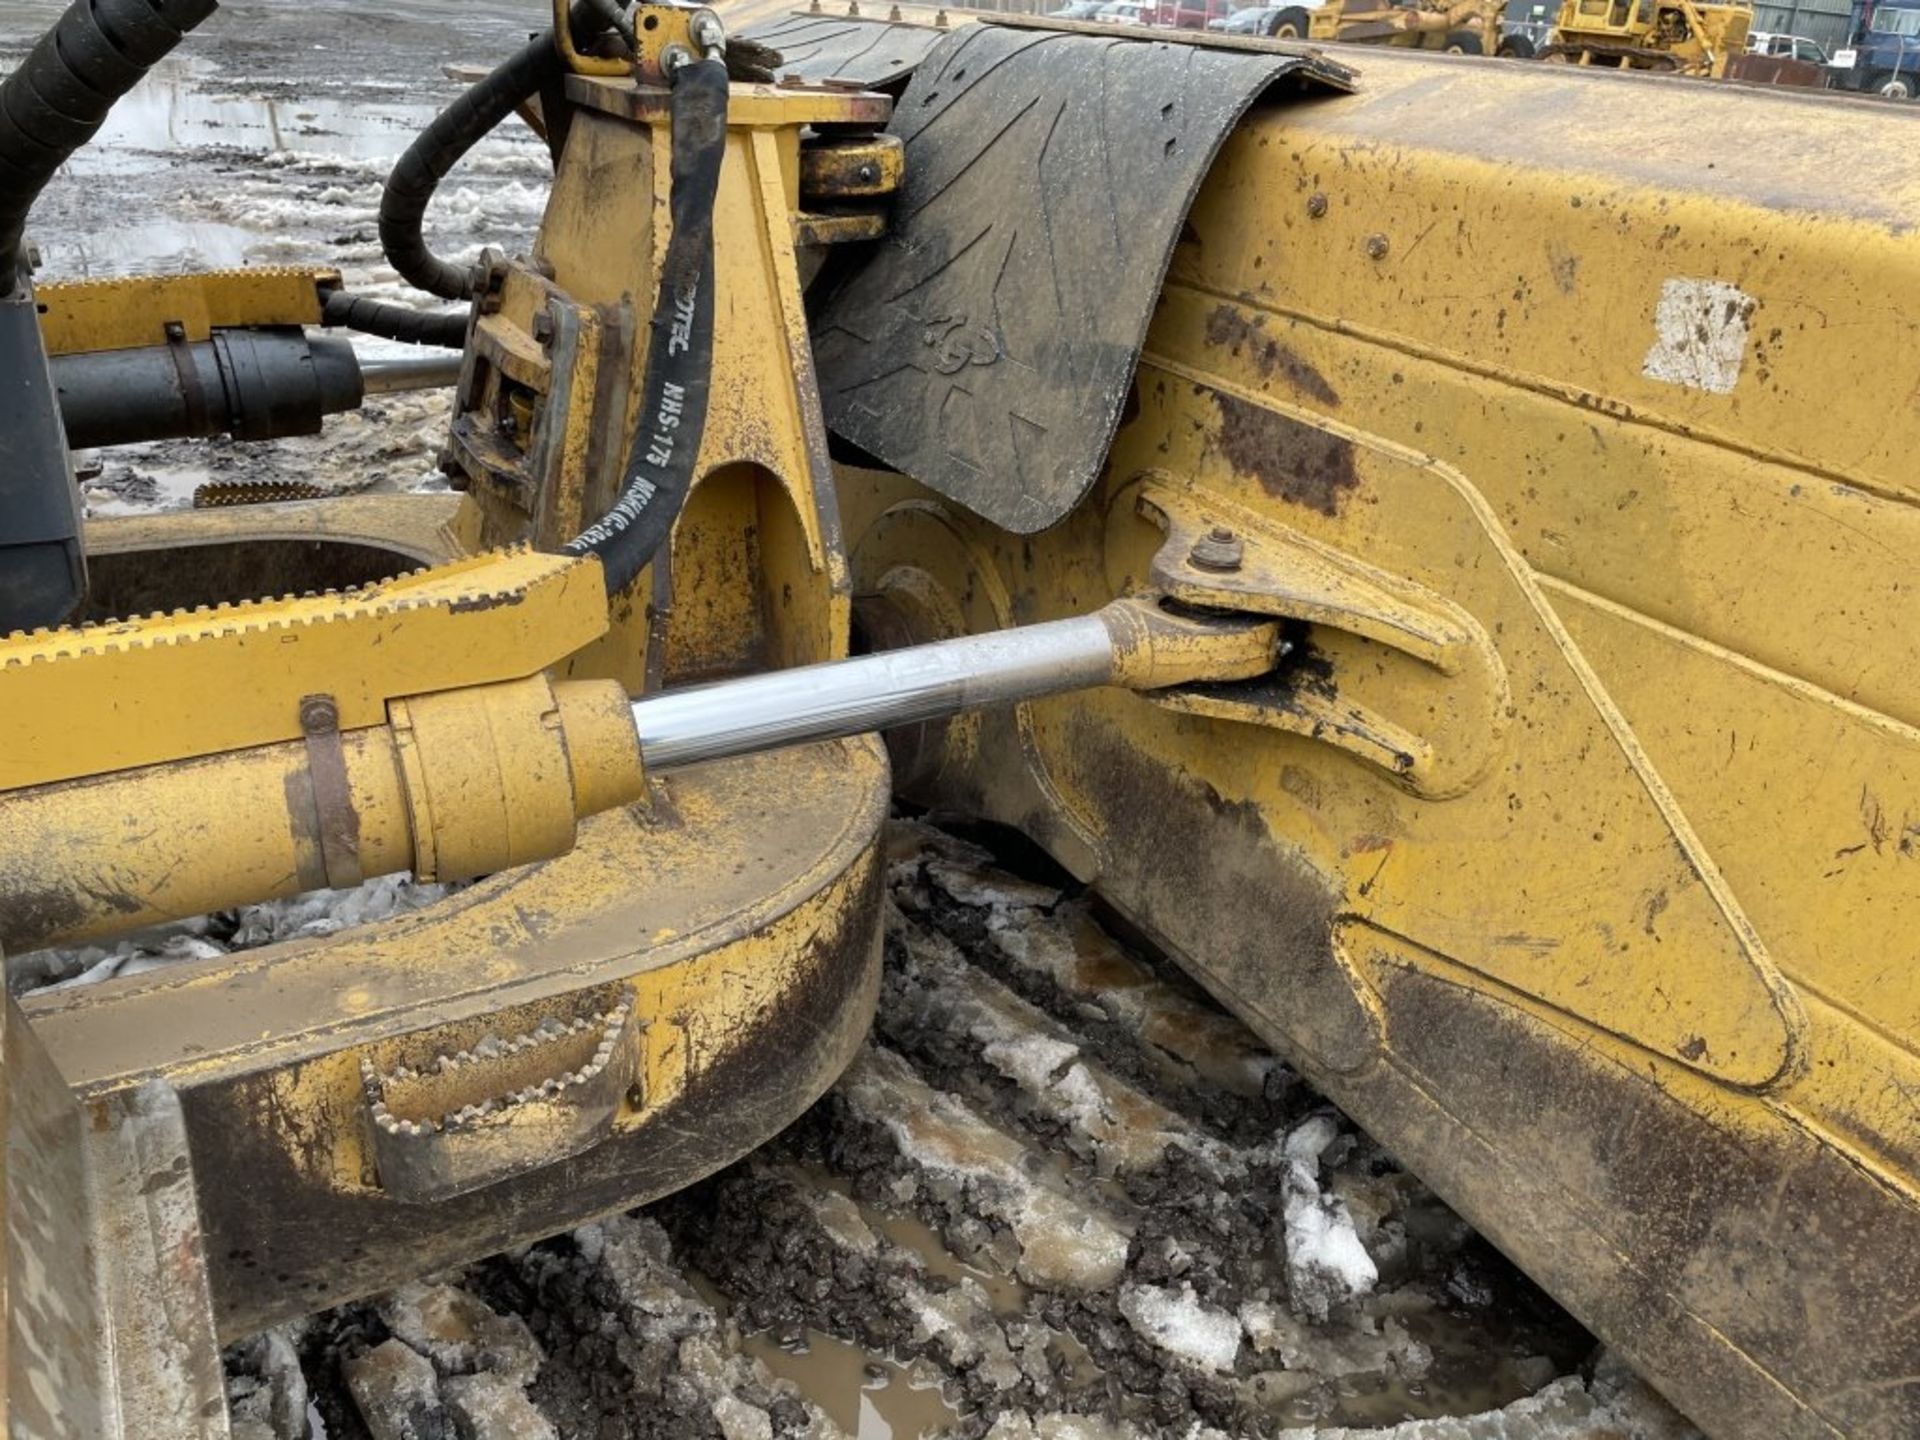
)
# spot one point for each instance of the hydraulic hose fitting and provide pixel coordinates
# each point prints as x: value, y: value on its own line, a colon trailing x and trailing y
x: 446, y: 328
x: 709, y: 33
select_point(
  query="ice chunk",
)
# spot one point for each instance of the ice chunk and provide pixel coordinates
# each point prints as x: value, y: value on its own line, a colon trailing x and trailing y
x: 1307, y: 1140
x: 740, y: 1421
x: 990, y: 889
x: 960, y: 1319
x: 1033, y: 1060
x: 840, y: 1218
x: 1064, y: 1244
x: 492, y: 1407
x: 1111, y: 1122
x: 1179, y: 1323
x: 395, y: 1390
x: 206, y: 937
x: 1019, y: 1425
x: 1565, y: 1410
x: 1326, y: 1263
x: 268, y: 1400
x: 460, y: 1333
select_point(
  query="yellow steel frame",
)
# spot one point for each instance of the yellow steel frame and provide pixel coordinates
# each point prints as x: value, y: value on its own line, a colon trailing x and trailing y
x: 753, y: 577
x: 199, y: 682
x: 446, y: 720
x: 122, y: 312
x: 1638, y: 994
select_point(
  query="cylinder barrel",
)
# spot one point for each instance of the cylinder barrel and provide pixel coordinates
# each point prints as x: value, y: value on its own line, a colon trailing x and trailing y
x: 251, y: 384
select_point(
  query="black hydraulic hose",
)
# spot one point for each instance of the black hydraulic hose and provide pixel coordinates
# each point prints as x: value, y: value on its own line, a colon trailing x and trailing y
x: 454, y: 131
x: 395, y: 322
x: 54, y: 103
x: 673, y: 395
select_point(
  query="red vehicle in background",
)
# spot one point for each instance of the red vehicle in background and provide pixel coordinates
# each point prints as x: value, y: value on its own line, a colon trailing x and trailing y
x: 1187, y: 14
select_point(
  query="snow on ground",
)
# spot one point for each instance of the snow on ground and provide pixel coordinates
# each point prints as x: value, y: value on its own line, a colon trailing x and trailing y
x: 1174, y: 1319
x: 1326, y: 1263
x: 206, y: 937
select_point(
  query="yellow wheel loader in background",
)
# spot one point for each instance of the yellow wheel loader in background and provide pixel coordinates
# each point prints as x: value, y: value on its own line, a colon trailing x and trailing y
x: 1465, y: 27
x: 1433, y: 545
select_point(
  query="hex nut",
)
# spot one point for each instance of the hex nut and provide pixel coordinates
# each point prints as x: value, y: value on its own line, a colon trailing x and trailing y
x: 1219, y: 549
x: 318, y: 714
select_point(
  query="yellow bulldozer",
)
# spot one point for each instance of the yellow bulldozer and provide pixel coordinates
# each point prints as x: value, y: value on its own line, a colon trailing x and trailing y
x: 1439, y: 576
x: 1685, y: 37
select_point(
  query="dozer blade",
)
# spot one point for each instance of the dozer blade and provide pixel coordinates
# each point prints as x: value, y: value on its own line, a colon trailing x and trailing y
x: 109, y: 1332
x: 1562, y: 852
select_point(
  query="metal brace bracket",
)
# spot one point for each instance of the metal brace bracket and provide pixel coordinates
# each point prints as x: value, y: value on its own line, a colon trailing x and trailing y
x: 1387, y: 670
x: 339, y: 822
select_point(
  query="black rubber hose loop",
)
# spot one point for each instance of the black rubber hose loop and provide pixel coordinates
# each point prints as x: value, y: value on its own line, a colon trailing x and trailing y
x: 88, y: 51
x: 438, y: 148
x: 395, y: 322
x: 140, y: 35
x: 59, y: 96
x: 673, y: 394
x: 70, y: 93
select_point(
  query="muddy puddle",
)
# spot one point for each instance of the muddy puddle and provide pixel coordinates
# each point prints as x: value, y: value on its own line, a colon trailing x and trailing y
x: 264, y: 140
x: 868, y: 1398
x: 174, y: 117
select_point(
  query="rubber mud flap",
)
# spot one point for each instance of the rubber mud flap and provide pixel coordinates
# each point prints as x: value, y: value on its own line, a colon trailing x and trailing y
x: 874, y: 54
x: 986, y: 347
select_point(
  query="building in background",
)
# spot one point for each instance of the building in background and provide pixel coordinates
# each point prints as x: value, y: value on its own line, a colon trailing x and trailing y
x: 1830, y: 22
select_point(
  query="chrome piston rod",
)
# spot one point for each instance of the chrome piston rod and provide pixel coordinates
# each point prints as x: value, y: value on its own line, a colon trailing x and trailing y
x: 390, y: 374
x: 873, y: 692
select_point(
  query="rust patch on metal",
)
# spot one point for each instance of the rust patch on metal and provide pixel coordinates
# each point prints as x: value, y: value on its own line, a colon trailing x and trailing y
x: 1292, y: 461
x: 160, y: 1180
x: 304, y: 819
x: 1571, y: 1161
x: 1565, y: 268
x: 1227, y: 326
x: 1245, y: 914
x: 41, y: 915
x: 332, y: 794
x: 496, y: 601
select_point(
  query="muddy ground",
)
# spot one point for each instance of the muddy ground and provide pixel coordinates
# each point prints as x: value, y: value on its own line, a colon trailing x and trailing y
x: 1059, y: 1195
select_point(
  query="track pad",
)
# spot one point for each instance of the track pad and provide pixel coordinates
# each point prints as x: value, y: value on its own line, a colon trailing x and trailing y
x: 986, y: 347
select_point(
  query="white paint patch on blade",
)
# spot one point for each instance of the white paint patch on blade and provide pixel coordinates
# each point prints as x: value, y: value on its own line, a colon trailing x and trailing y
x: 1700, y: 335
